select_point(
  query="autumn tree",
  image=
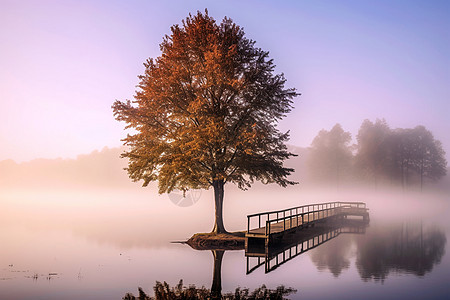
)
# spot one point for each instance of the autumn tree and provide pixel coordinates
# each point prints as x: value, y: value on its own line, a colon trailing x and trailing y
x: 205, y: 113
x: 330, y: 155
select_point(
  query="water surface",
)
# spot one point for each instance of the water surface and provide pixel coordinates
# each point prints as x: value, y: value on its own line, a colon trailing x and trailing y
x: 101, y: 245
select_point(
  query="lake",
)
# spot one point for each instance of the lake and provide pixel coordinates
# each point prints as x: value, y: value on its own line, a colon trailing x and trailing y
x: 73, y: 244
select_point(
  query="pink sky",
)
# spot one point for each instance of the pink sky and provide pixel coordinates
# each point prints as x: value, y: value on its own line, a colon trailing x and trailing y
x: 63, y: 63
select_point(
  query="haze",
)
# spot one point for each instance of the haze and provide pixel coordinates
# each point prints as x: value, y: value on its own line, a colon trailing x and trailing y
x: 64, y: 63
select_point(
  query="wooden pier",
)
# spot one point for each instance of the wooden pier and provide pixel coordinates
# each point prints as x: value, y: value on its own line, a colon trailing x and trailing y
x: 268, y: 226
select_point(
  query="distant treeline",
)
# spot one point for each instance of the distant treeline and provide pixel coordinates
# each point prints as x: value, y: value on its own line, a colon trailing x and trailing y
x: 402, y: 156
x: 99, y: 169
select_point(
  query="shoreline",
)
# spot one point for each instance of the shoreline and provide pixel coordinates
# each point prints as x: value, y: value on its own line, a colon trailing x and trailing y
x: 221, y: 241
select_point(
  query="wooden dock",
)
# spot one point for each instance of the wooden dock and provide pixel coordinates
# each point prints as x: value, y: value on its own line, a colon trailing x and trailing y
x: 268, y: 226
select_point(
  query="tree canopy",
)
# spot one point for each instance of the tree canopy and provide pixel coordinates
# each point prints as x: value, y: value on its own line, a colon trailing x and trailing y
x: 206, y: 110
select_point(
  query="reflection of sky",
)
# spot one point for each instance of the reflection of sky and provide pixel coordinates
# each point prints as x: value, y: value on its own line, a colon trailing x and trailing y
x: 106, y: 245
x: 64, y: 63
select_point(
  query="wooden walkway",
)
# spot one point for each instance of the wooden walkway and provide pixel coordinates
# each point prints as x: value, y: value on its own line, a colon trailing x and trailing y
x: 273, y: 224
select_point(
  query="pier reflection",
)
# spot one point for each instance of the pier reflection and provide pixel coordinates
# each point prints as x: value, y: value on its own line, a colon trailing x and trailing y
x: 260, y: 293
x: 408, y: 248
x: 377, y: 251
x: 294, y: 244
x: 179, y: 291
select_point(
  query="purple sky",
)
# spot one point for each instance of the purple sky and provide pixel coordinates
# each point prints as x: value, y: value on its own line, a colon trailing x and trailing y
x: 63, y: 63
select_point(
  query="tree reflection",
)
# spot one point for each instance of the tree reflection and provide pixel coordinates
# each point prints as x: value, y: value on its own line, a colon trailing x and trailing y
x: 408, y: 248
x: 216, y: 287
x: 335, y: 256
x: 164, y: 292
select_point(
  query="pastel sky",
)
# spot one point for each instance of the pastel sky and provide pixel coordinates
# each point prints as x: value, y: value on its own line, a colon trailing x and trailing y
x: 63, y: 63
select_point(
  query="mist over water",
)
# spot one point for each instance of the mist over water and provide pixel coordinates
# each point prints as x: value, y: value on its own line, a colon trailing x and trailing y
x: 100, y: 241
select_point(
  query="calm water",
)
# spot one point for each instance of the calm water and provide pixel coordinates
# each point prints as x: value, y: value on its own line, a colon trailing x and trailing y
x: 101, y: 245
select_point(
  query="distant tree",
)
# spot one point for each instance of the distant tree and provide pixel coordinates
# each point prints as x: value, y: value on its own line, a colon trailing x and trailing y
x: 428, y: 155
x: 205, y: 113
x: 399, y: 154
x: 373, y: 157
x: 330, y: 155
x: 403, y: 154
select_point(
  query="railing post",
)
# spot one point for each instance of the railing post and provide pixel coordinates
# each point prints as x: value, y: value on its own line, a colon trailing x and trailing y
x: 259, y: 221
x: 248, y: 224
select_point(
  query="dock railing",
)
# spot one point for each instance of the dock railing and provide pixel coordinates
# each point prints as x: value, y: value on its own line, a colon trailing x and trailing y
x: 300, y: 215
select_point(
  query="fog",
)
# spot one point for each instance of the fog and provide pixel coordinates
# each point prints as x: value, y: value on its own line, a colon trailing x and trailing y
x: 92, y: 197
x: 84, y: 220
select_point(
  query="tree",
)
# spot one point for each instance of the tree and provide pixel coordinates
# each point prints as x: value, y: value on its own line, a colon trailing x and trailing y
x: 373, y: 157
x: 402, y: 153
x: 330, y: 154
x: 428, y: 155
x: 205, y: 113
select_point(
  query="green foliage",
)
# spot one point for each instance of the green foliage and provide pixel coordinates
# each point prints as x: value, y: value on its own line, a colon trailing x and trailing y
x: 206, y: 110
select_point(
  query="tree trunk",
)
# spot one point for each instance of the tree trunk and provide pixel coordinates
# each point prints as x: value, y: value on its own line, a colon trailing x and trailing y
x: 421, y: 175
x: 218, y: 200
